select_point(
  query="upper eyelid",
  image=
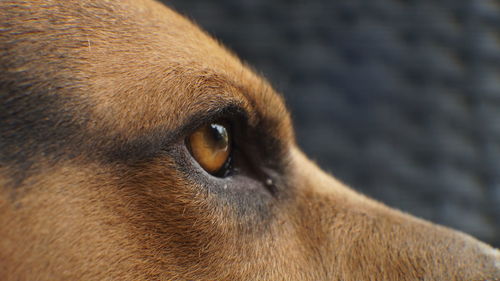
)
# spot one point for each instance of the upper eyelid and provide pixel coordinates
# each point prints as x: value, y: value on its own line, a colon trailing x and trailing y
x: 151, y: 144
x: 229, y: 113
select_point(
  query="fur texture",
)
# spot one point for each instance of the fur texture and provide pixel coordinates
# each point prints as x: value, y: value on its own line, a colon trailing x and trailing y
x: 96, y: 99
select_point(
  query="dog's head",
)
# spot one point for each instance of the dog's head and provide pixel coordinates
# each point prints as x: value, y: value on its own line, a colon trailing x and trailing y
x: 135, y: 147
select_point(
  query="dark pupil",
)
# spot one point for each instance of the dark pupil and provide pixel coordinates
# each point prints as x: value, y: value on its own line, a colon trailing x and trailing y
x: 219, y: 135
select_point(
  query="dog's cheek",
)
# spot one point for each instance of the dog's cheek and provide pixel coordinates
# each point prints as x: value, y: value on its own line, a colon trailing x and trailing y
x: 202, y: 234
x: 70, y: 226
x: 92, y: 221
x: 182, y: 228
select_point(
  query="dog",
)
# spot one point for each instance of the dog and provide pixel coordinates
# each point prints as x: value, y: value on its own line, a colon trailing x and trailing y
x: 133, y: 146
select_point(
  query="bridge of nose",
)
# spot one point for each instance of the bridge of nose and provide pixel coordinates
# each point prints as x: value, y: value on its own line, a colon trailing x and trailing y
x: 363, y: 238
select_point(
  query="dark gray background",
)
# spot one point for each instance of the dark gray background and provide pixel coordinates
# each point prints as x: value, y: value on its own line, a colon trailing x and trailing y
x: 399, y: 99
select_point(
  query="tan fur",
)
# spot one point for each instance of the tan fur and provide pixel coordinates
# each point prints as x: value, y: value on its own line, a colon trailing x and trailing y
x: 131, y: 70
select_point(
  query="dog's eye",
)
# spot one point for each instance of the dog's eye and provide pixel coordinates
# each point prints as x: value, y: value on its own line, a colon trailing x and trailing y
x: 210, y: 145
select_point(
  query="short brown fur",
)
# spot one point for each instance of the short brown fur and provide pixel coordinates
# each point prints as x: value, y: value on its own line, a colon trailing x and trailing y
x: 95, y: 183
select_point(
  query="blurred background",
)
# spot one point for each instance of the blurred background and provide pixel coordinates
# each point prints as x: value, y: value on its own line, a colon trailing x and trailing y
x: 399, y: 99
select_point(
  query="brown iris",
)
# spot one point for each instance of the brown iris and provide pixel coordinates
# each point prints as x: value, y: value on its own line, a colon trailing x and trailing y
x: 210, y: 145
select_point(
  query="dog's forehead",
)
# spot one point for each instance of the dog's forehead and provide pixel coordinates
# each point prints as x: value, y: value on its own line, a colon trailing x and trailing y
x: 163, y: 67
x: 136, y: 65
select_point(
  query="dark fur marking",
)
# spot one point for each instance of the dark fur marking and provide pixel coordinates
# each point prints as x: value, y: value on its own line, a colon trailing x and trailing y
x: 41, y: 114
x: 151, y: 144
x: 35, y: 125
